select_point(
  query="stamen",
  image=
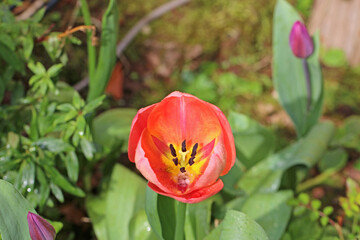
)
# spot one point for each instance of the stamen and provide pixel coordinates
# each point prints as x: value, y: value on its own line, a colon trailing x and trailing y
x: 182, y: 169
x: 183, y: 146
x: 172, y: 149
x: 191, y: 161
x: 193, y: 153
x: 176, y: 161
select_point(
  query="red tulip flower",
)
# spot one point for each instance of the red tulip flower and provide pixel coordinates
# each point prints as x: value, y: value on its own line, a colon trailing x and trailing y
x: 300, y: 41
x: 182, y: 145
x: 39, y: 228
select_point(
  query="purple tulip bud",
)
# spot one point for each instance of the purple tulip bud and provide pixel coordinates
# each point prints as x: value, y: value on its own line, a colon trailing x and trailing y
x: 300, y: 41
x: 39, y: 228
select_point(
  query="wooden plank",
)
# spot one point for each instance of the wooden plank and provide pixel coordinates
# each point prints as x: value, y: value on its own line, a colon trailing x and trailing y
x: 339, y: 24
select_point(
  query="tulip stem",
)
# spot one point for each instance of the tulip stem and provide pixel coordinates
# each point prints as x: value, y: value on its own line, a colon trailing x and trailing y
x: 180, y: 221
x: 308, y: 84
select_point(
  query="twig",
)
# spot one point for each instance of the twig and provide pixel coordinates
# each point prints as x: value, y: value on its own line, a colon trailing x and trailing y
x: 145, y: 20
x: 156, y: 13
x: 30, y: 10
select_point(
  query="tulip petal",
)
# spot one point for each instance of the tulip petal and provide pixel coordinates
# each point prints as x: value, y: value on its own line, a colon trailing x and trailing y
x: 39, y: 228
x: 213, y: 167
x: 137, y: 127
x: 180, y: 117
x: 155, y: 166
x: 192, y: 197
x: 228, y: 141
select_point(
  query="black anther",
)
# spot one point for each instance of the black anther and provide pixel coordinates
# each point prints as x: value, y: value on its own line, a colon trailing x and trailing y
x: 183, y: 146
x: 191, y: 161
x: 182, y: 169
x: 193, y: 153
x: 176, y: 161
x: 172, y: 149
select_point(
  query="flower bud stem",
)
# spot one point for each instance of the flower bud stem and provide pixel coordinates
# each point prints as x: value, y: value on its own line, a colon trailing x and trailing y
x: 308, y: 84
x: 180, y: 221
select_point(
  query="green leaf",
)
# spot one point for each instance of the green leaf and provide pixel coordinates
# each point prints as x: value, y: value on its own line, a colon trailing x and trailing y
x: 289, y: 81
x: 304, y: 198
x: 161, y: 214
x: 11, y: 58
x: 348, y: 135
x: 237, y: 225
x: 96, y: 208
x: 328, y: 210
x: 6, y: 77
x: 38, y: 15
x: 198, y: 217
x: 87, y: 148
x: 253, y: 142
x: 37, y: 69
x: 54, y: 70
x: 54, y: 145
x: 13, y: 213
x: 316, y: 204
x: 275, y: 212
x: 303, y: 228
x: 57, y: 192
x: 66, y: 107
x: 112, y: 127
x: 107, y: 54
x: 139, y: 227
x: 92, y: 105
x: 62, y: 182
x: 324, y: 221
x: 44, y: 186
x: 7, y: 41
x: 28, y: 45
x: 72, y: 166
x: 112, y: 212
x: 77, y: 101
x: 266, y: 175
x: 151, y: 209
x: 333, y: 160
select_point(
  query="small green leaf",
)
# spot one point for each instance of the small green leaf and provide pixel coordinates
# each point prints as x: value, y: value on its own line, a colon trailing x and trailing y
x: 304, y: 198
x: 57, y: 192
x: 44, y: 186
x: 72, y: 166
x: 13, y: 139
x: 328, y: 210
x: 324, y: 221
x: 54, y: 70
x: 78, y: 102
x: 66, y: 107
x: 54, y: 145
x: 314, y: 215
x: 37, y: 69
x: 62, y: 182
x: 87, y: 148
x: 92, y: 105
x: 316, y: 204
